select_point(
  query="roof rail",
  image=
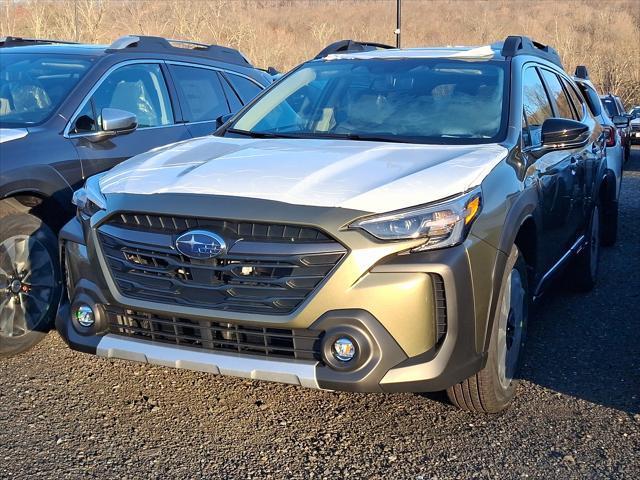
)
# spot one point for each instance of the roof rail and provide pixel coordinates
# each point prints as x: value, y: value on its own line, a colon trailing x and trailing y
x: 344, y: 46
x: 515, y: 45
x: 21, y: 42
x: 163, y: 45
x: 582, y: 72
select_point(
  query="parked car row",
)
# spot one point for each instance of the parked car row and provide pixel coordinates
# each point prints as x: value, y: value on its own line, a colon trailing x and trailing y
x: 635, y: 124
x: 377, y: 220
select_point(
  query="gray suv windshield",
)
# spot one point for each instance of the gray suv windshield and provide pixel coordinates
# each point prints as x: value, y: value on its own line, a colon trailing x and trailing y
x: 33, y: 86
x: 408, y: 100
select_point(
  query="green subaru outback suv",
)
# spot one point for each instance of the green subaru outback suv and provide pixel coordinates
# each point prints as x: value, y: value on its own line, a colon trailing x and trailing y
x: 376, y: 221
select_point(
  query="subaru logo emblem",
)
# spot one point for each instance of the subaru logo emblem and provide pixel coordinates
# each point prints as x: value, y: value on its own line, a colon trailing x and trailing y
x: 200, y: 244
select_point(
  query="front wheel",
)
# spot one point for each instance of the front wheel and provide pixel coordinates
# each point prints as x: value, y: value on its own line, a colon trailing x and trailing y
x: 30, y: 284
x: 492, y: 389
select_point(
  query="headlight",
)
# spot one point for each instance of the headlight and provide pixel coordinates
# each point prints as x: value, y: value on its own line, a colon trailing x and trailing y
x: 441, y: 225
x: 89, y: 199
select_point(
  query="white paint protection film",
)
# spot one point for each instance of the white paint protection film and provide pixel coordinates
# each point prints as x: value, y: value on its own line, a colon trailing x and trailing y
x: 369, y: 176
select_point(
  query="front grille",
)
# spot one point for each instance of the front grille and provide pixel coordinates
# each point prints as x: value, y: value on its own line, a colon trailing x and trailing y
x: 259, y: 274
x: 440, y: 302
x: 228, y: 229
x: 215, y: 336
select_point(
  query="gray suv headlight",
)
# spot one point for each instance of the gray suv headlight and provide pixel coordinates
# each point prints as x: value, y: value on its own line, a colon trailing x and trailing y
x: 89, y: 199
x: 442, y: 224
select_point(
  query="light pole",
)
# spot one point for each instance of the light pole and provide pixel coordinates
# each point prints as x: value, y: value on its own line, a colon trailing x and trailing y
x: 398, y: 12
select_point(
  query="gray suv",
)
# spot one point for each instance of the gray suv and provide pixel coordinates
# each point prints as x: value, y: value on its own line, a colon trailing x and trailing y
x: 69, y: 111
x: 376, y: 221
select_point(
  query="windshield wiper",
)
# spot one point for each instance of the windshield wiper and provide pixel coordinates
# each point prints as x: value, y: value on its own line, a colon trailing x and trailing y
x: 248, y: 133
x: 311, y: 135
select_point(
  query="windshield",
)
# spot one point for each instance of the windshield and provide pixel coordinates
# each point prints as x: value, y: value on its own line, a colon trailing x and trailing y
x: 33, y: 86
x: 610, y: 105
x: 400, y: 100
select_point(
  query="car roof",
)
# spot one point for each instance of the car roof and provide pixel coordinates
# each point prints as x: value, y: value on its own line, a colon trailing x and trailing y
x: 511, y: 47
x: 60, y: 49
x: 486, y: 52
x: 132, y: 45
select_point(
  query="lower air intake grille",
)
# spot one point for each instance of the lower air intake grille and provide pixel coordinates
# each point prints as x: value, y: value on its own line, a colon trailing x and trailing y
x: 216, y: 336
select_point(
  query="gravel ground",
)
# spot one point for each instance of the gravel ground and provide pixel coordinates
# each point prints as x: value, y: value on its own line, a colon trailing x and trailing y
x: 68, y: 415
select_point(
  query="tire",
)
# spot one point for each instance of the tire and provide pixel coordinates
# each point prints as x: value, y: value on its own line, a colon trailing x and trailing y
x: 30, y: 282
x: 492, y: 389
x: 584, y: 270
x: 609, y: 225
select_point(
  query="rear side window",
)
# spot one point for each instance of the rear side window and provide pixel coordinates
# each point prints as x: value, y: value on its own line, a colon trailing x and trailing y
x: 246, y: 89
x: 578, y: 102
x: 200, y: 91
x: 556, y: 92
x: 592, y: 98
x: 537, y: 107
x: 235, y: 104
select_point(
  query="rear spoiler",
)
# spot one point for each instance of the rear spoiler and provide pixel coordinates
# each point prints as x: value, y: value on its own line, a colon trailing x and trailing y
x: 582, y: 72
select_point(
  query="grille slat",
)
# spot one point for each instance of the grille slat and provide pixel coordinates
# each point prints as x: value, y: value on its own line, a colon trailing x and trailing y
x: 226, y: 228
x: 289, y: 343
x: 264, y: 275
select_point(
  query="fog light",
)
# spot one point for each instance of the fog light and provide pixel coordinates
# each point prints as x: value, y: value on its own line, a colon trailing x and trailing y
x: 84, y: 315
x: 343, y: 349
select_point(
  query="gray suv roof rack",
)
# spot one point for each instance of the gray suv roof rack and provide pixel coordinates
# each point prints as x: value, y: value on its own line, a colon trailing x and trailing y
x: 163, y: 45
x: 22, y: 41
x: 515, y: 45
x: 344, y: 46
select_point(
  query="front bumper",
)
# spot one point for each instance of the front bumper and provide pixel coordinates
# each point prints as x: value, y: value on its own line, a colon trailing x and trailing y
x: 388, y: 307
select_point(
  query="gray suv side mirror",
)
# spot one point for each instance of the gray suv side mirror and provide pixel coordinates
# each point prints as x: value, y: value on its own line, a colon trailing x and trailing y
x: 620, y: 121
x: 118, y: 122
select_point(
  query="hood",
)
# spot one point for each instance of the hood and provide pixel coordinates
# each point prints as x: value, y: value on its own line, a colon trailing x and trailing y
x: 367, y: 176
x: 8, y: 134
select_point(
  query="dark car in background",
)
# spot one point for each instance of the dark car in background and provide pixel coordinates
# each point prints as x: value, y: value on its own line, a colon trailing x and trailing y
x: 634, y: 113
x: 69, y: 111
x: 614, y: 107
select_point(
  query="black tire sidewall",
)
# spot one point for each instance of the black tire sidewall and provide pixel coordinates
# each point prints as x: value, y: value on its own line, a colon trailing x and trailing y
x: 25, y: 224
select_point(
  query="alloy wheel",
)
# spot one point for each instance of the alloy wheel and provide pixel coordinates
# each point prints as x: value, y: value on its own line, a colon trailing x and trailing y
x: 27, y: 283
x: 511, y: 327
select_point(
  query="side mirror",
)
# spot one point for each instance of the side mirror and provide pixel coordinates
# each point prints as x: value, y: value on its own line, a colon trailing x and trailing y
x: 118, y: 122
x: 562, y: 134
x: 222, y: 119
x: 620, y: 121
